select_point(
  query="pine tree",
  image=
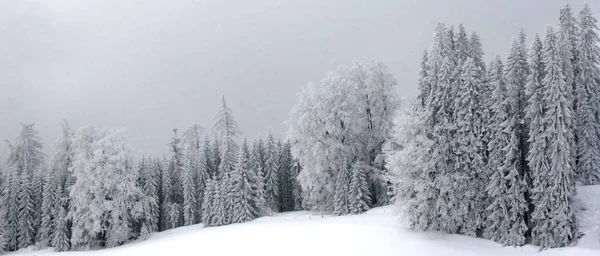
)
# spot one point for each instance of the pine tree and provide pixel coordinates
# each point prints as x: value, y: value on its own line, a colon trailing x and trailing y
x: 49, y: 214
x: 516, y: 72
x: 587, y: 93
x: 466, y: 178
x: 150, y: 187
x: 256, y: 162
x: 341, y: 200
x: 27, y: 209
x: 189, y: 193
x: 202, y: 175
x: 165, y: 192
x: 359, y: 195
x: 62, y: 234
x: 507, y: 185
x: 208, y: 199
x: 286, y: 201
x: 218, y: 214
x: 296, y: 189
x: 245, y: 189
x: 424, y: 86
x: 175, y: 202
x: 537, y: 161
x: 271, y: 176
x: 553, y: 184
x: 441, y: 125
x: 25, y: 164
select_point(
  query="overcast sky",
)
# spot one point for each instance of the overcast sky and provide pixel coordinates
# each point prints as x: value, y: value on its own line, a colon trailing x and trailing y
x: 153, y: 65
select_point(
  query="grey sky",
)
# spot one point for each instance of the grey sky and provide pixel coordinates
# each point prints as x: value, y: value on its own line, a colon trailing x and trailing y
x: 154, y: 65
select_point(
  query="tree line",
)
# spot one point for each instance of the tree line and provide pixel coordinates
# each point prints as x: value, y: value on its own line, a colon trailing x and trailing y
x: 92, y: 194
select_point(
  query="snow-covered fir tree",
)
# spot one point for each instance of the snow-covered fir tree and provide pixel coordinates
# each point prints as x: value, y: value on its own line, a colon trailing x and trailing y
x: 189, y: 191
x: 150, y: 177
x: 49, y: 210
x: 553, y: 183
x: 174, y: 203
x: 587, y: 83
x: 208, y: 202
x: 507, y: 186
x: 296, y: 189
x: 359, y: 194
x: 271, y: 176
x: 245, y: 188
x: 466, y: 180
x: 286, y: 198
x: 24, y: 166
x: 341, y: 200
x: 61, y: 239
x: 256, y: 163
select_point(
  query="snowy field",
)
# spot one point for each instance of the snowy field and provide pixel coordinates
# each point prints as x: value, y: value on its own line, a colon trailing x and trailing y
x: 302, y: 233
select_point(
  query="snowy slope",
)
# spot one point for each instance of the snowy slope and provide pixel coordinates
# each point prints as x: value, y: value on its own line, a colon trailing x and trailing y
x: 302, y: 233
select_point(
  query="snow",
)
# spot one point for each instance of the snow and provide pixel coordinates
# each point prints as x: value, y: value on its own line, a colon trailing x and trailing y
x: 378, y: 232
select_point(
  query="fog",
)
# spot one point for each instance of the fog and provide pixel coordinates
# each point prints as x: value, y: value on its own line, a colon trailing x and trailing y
x: 152, y: 65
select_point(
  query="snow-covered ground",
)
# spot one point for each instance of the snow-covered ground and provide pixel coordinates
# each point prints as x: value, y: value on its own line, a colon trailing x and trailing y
x: 303, y: 233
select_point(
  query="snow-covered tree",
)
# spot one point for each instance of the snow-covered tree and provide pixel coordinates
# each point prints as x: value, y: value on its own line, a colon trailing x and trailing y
x: 341, y: 204
x: 424, y: 86
x: 245, y: 189
x: 24, y: 167
x: 257, y: 165
x: 507, y: 185
x: 271, y: 176
x: 105, y: 193
x: 410, y: 167
x: 189, y: 192
x: 208, y: 202
x: 296, y: 189
x: 175, y: 167
x: 340, y: 118
x: 150, y: 178
x: 587, y: 82
x: 61, y: 239
x: 553, y: 182
x: 50, y: 198
x: 359, y: 195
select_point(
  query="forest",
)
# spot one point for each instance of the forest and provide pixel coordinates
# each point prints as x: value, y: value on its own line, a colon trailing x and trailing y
x: 494, y: 151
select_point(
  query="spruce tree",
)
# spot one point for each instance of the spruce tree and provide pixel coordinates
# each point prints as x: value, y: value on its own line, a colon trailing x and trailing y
x: 507, y: 186
x: 342, y: 191
x: 208, y: 203
x: 166, y: 191
x: 49, y: 202
x: 359, y: 195
x: 245, y: 188
x: 553, y: 184
x: 467, y: 180
x: 175, y: 201
x: 271, y: 176
x: 189, y: 193
x: 587, y: 93
x: 61, y: 239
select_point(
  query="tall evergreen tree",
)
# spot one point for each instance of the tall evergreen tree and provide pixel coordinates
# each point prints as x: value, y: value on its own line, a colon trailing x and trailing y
x: 61, y: 239
x: 507, y: 186
x: 358, y: 194
x: 49, y: 201
x: 208, y: 202
x: 271, y: 176
x: 245, y: 189
x: 189, y: 192
x: 553, y: 183
x: 587, y: 92
x: 175, y: 202
x: 341, y: 200
x: 24, y: 165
